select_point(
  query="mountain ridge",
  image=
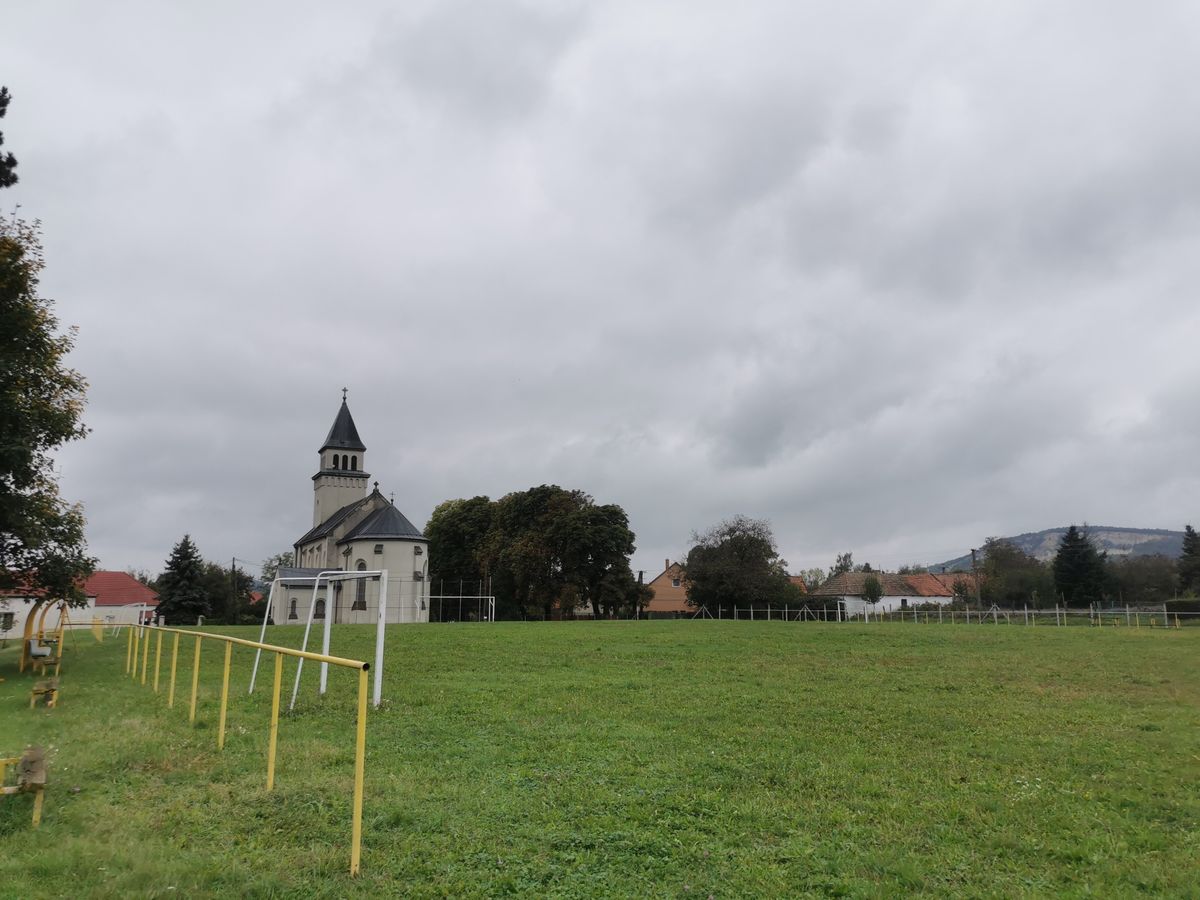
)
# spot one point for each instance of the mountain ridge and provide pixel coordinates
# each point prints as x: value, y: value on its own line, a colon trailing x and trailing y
x: 1110, y: 539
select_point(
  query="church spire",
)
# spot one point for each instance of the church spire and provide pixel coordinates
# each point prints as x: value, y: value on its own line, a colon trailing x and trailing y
x: 343, y: 435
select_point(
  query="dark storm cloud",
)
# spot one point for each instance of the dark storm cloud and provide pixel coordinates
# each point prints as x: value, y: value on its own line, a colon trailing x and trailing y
x: 894, y: 278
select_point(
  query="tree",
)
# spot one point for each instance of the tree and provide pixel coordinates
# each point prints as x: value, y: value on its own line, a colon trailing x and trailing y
x: 8, y: 162
x: 182, y: 593
x: 539, y: 550
x: 1144, y: 580
x: 1189, y: 563
x: 736, y: 564
x: 42, y: 547
x: 1079, y: 570
x: 272, y: 565
x: 912, y: 569
x: 1012, y: 578
x: 961, y: 589
x: 813, y: 578
x: 843, y: 563
x: 872, y: 589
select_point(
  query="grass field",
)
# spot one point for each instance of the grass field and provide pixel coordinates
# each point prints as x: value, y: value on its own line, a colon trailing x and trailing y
x: 634, y: 759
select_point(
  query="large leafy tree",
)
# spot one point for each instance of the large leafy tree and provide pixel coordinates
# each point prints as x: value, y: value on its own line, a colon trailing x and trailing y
x: 1011, y: 578
x: 736, y: 564
x: 1143, y: 580
x: 539, y: 549
x: 185, y: 586
x: 1189, y: 563
x: 1079, y: 569
x: 42, y: 547
x: 8, y: 162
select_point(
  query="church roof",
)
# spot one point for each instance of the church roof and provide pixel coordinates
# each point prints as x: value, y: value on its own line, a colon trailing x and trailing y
x: 384, y: 523
x: 343, y: 435
x: 323, y: 530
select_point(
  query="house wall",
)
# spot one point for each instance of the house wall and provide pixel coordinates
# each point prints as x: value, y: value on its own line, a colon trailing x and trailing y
x: 670, y: 595
x: 109, y: 615
x: 855, y: 606
x: 407, y: 601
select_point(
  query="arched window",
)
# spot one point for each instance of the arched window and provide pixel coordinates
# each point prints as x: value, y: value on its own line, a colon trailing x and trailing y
x: 360, y: 587
x: 354, y: 464
x: 319, y: 612
x: 335, y: 461
x: 292, y: 610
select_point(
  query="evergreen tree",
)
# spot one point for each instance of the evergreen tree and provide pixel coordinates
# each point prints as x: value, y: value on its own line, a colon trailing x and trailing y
x: 1189, y: 562
x: 1079, y: 569
x: 182, y: 594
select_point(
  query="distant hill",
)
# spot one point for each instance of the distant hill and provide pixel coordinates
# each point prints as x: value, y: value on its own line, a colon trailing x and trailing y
x: 1116, y: 541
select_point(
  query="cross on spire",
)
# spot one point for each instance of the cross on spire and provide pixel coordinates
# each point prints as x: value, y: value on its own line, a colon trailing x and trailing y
x: 344, y: 394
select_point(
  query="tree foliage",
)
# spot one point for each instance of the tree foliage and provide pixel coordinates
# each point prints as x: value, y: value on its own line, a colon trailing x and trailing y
x: 1079, y: 569
x: 1143, y: 580
x: 736, y: 564
x: 872, y: 589
x: 182, y: 593
x: 272, y: 565
x: 42, y: 545
x: 539, y: 550
x: 843, y: 563
x: 1189, y: 563
x: 1011, y: 578
x: 8, y: 162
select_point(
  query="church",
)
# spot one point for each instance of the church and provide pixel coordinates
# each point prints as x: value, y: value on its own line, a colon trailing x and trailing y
x: 353, y: 530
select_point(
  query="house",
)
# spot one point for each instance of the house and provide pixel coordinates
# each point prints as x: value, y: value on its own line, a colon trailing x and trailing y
x: 114, y: 598
x: 899, y: 591
x: 670, y: 596
x: 353, y: 530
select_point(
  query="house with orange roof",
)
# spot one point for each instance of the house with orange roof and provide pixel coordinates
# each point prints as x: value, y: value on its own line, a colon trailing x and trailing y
x: 115, y: 598
x: 899, y: 591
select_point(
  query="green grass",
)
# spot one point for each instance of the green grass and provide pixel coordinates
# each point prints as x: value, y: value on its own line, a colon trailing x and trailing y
x: 633, y: 759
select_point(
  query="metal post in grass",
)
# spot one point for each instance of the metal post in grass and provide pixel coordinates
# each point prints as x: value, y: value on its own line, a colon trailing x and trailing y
x: 195, y: 680
x: 1128, y: 621
x: 274, y: 722
x: 1166, y: 621
x: 360, y: 759
x: 134, y: 629
x: 174, y: 660
x: 145, y: 654
x: 128, y: 650
x: 224, y: 697
x: 157, y: 659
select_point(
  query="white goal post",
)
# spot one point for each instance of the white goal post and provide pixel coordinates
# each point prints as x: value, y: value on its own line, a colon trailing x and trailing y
x: 330, y: 578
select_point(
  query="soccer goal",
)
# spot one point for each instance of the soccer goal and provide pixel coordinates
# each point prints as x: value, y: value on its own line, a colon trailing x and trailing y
x: 326, y: 608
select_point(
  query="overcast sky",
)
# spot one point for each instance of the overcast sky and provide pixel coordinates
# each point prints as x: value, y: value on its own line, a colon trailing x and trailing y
x: 893, y: 276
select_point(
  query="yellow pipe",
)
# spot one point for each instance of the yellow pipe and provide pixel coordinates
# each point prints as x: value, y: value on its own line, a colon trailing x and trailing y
x: 274, y: 722
x: 28, y: 635
x: 224, y: 698
x: 360, y: 759
x: 128, y: 650
x: 145, y: 653
x: 41, y: 628
x: 174, y: 660
x: 272, y: 648
x: 157, y: 659
x: 195, y: 680
x: 137, y: 636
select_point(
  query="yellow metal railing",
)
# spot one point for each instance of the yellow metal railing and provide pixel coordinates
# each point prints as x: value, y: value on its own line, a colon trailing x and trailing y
x: 139, y: 641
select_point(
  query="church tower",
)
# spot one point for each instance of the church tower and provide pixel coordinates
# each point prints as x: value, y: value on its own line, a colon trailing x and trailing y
x: 342, y: 478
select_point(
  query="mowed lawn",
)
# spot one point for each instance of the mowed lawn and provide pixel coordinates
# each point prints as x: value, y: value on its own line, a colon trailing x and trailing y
x: 633, y: 759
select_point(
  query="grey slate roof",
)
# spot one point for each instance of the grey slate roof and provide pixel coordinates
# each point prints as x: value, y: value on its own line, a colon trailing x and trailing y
x: 333, y: 521
x: 343, y: 435
x: 296, y: 573
x: 384, y: 523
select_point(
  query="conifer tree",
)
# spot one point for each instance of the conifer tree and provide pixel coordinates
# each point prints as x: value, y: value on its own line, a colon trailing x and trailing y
x: 1189, y: 562
x: 8, y: 162
x: 1079, y: 569
x: 182, y: 595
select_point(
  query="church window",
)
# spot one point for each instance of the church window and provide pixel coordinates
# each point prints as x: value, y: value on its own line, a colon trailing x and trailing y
x: 335, y: 460
x: 360, y: 587
x: 418, y: 576
x: 292, y: 610
x: 319, y: 612
x: 354, y: 464
x: 379, y: 548
x: 417, y: 551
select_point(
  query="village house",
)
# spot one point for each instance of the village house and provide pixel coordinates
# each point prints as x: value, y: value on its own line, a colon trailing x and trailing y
x: 899, y: 591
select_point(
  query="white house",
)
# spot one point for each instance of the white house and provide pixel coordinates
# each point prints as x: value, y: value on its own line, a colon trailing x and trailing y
x: 899, y: 591
x: 114, y: 598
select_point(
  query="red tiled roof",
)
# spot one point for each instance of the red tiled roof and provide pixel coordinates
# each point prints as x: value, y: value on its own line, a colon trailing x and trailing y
x: 798, y: 581
x: 925, y: 584
x: 118, y: 589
